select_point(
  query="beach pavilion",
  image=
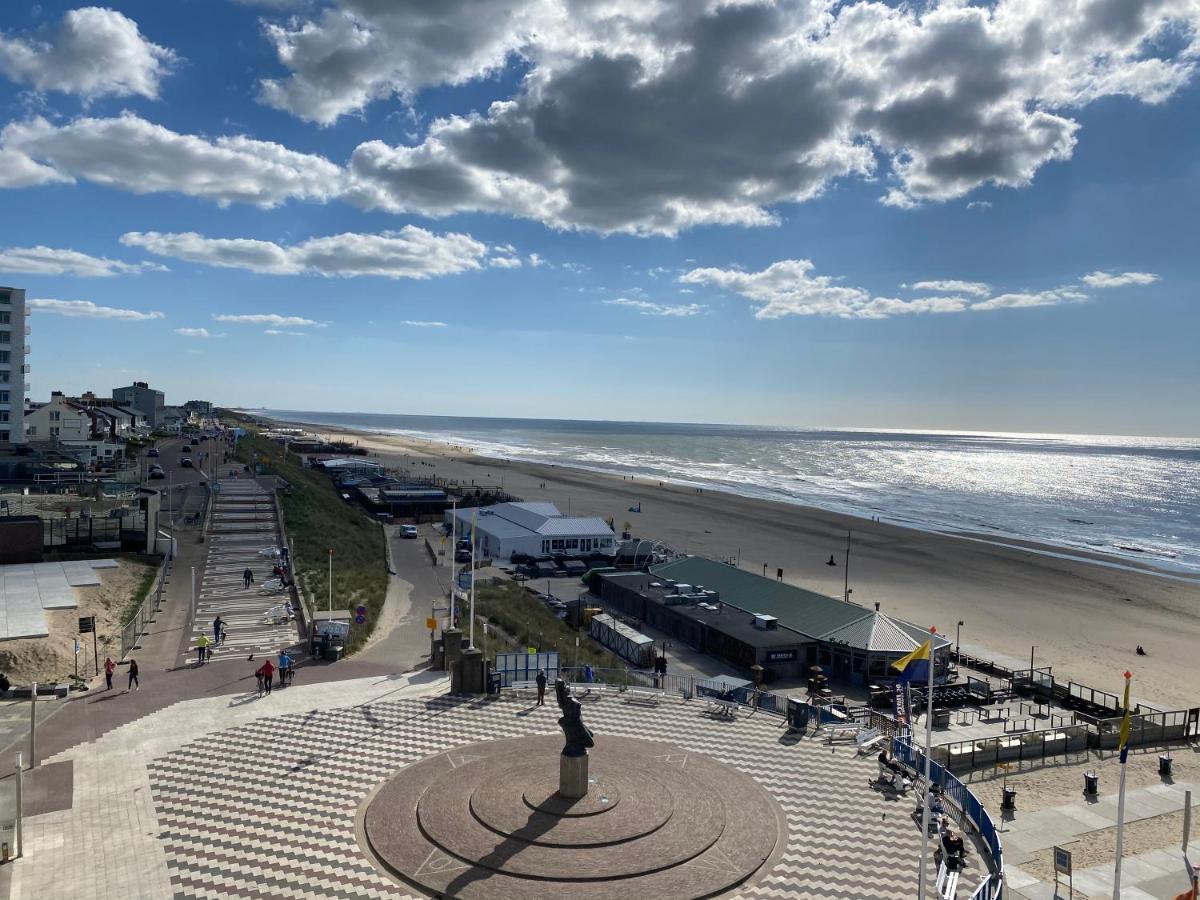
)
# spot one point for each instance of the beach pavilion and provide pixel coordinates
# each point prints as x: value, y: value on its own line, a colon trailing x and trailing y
x: 750, y: 620
x: 536, y: 529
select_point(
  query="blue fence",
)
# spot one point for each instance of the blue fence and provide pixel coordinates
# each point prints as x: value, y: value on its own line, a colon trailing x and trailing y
x: 966, y: 802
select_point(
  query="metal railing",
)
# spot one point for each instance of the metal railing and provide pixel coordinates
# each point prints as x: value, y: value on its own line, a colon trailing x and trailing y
x: 968, y: 806
x: 132, y: 631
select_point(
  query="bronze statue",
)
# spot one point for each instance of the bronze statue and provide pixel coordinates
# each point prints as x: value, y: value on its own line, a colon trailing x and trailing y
x: 578, y: 737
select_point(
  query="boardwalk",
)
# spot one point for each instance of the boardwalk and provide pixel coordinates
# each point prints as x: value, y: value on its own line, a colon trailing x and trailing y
x: 243, y: 525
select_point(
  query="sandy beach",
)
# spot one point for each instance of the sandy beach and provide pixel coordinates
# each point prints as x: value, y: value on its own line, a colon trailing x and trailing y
x: 1083, y: 618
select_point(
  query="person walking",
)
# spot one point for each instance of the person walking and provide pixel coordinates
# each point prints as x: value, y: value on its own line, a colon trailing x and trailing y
x: 133, y: 676
x: 268, y: 672
x: 541, y: 687
x: 247, y: 578
x: 109, y: 668
x: 202, y: 643
x: 286, y: 669
x: 218, y: 629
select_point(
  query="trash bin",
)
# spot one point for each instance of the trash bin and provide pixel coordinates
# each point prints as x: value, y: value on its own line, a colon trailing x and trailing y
x: 1009, y: 802
x: 1091, y: 783
x: 1164, y: 765
x: 494, y: 682
x: 797, y: 714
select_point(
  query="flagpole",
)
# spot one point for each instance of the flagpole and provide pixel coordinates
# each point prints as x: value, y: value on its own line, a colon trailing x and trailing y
x: 1124, y: 747
x: 928, y: 746
x: 453, y: 555
x: 474, y: 546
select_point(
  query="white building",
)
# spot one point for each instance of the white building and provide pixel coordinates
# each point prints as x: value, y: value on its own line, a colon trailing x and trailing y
x: 61, y: 420
x: 13, y: 368
x: 535, y: 529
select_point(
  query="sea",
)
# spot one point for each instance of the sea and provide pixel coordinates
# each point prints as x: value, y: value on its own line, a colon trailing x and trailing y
x: 1134, y: 498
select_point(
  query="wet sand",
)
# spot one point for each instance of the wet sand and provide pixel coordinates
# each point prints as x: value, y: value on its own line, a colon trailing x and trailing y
x: 1083, y: 617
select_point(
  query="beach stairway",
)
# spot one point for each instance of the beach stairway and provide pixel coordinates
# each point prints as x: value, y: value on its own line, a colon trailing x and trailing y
x: 244, y: 526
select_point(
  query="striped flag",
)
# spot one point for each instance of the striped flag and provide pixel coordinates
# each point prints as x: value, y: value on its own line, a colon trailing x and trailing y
x: 915, y: 666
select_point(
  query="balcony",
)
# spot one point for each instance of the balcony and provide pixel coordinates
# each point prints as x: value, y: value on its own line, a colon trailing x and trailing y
x: 28, y: 331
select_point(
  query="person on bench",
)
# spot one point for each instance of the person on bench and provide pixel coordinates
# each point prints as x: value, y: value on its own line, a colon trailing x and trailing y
x: 953, y: 849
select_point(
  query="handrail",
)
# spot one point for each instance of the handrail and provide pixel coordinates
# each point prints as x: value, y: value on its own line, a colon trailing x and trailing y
x: 968, y: 805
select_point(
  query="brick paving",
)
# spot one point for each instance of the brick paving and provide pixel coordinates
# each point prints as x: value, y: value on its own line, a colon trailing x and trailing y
x: 236, y: 796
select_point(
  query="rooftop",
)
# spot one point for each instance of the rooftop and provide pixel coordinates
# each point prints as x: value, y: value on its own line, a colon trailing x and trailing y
x: 809, y: 613
x: 528, y: 518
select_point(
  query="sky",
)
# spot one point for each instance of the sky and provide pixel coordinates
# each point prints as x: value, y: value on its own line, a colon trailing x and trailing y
x: 976, y: 216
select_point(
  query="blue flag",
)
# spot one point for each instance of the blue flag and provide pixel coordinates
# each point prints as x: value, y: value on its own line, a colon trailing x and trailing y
x: 915, y: 666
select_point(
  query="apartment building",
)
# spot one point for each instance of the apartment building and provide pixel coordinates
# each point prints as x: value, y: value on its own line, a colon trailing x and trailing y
x: 143, y: 398
x: 13, y: 368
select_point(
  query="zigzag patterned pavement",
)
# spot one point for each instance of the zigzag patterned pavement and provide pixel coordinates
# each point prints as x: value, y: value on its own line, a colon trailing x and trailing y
x: 268, y: 809
x: 243, y: 523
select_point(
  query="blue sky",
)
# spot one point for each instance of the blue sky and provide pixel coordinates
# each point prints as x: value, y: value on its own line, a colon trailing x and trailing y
x: 796, y: 213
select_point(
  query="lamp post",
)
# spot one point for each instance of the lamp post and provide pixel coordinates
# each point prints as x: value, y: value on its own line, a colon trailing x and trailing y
x: 958, y: 641
x: 846, y: 573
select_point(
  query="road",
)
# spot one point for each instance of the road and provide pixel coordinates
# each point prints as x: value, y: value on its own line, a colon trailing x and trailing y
x: 401, y: 639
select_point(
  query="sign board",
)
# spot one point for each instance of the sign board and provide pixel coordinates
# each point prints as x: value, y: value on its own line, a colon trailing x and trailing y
x: 87, y: 624
x: 360, y: 611
x: 780, y: 655
x: 525, y: 666
x: 360, y: 620
x: 77, y: 647
x: 1062, y: 861
x: 333, y: 629
x: 430, y: 623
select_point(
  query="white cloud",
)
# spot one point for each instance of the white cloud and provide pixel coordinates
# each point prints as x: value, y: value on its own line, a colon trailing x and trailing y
x: 1114, y: 280
x: 278, y: 332
x: 1027, y: 299
x: 92, y: 52
x: 536, y: 261
x: 651, y: 118
x: 417, y: 324
x: 131, y: 154
x: 364, y: 50
x: 979, y: 204
x: 50, y: 261
x: 411, y: 252
x: 951, y: 286
x: 86, y: 309
x: 646, y: 308
x: 655, y: 117
x: 505, y: 262
x: 788, y: 288
x: 272, y: 319
x: 197, y: 333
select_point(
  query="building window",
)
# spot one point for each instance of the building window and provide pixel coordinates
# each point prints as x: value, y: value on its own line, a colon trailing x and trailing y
x: 32, y: 429
x: 55, y: 416
x: 3, y: 435
x: 4, y: 356
x: 5, y: 318
x: 556, y: 544
x: 3, y: 415
x: 5, y: 337
x: 545, y: 546
x: 4, y: 397
x: 4, y: 377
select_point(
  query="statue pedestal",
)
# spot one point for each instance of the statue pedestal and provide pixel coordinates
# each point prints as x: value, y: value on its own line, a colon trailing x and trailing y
x: 573, y: 776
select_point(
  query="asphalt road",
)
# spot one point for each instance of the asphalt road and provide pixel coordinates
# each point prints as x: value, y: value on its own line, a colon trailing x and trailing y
x: 415, y: 588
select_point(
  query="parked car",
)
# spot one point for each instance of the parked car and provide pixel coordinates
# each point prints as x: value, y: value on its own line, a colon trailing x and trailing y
x: 408, y: 531
x: 186, y: 463
x: 462, y: 556
x: 153, y: 451
x: 156, y: 473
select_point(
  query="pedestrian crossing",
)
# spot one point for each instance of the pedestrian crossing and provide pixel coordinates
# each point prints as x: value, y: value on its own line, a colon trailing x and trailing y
x: 256, y: 617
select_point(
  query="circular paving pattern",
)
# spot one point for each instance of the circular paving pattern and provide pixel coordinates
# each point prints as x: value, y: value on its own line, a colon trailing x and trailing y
x: 484, y: 821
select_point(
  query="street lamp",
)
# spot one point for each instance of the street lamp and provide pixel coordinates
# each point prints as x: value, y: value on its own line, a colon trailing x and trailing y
x: 958, y: 641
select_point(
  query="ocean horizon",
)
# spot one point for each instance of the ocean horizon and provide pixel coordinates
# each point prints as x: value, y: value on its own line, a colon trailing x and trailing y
x: 1135, y: 498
